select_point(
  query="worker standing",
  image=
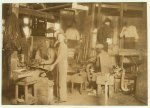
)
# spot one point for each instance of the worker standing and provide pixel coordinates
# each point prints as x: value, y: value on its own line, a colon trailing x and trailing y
x: 62, y: 63
x: 130, y: 35
x: 105, y: 33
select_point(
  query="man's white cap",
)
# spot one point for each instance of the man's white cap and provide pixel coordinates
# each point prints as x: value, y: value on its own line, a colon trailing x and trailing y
x: 99, y: 46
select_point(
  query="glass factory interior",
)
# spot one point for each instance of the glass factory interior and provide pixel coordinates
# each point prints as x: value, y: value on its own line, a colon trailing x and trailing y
x: 74, y: 53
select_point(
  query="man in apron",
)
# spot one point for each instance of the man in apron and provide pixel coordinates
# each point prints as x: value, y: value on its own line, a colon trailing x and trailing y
x: 45, y: 54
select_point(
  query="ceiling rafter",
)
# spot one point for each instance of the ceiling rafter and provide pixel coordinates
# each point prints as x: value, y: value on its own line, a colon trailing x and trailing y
x: 56, y: 7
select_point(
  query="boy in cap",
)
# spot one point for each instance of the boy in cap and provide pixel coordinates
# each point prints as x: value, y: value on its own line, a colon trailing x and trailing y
x: 105, y: 33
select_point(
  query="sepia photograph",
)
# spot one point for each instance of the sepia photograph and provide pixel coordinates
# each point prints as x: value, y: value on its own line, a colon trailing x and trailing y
x: 77, y: 53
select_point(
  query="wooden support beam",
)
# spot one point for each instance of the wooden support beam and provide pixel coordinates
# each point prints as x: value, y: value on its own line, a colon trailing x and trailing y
x: 121, y: 14
x: 93, y: 16
x: 121, y: 23
x: 134, y: 8
x: 35, y: 13
x: 56, y: 7
x: 126, y: 7
x: 110, y: 6
x: 15, y: 9
x: 91, y: 30
x: 99, y: 15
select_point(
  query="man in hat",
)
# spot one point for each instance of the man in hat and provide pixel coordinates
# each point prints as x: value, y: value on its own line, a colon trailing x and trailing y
x: 62, y: 63
x: 103, y: 63
x: 45, y: 56
x: 105, y: 33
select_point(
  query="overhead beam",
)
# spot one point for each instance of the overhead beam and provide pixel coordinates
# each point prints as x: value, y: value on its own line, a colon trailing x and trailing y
x: 110, y: 6
x: 125, y: 7
x: 134, y: 8
x: 35, y: 13
x: 56, y: 7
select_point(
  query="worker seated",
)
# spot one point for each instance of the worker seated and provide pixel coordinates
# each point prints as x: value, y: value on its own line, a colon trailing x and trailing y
x: 103, y: 66
x: 45, y: 56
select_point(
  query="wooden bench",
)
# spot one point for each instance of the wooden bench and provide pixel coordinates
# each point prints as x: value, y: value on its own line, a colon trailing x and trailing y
x: 26, y: 82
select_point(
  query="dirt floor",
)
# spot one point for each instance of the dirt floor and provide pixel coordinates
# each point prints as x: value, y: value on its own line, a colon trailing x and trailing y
x: 118, y: 99
x: 75, y: 98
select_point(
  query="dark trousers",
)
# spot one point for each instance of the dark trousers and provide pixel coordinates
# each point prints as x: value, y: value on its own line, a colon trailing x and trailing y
x: 129, y: 43
x: 105, y: 44
x: 92, y: 84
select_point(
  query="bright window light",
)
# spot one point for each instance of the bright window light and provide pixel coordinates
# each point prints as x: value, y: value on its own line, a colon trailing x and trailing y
x: 26, y: 30
x: 26, y: 20
x: 57, y: 26
x: 109, y: 41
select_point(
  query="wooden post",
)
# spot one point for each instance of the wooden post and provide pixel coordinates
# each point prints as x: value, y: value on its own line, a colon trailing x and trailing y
x: 16, y: 91
x: 92, y: 27
x: 72, y: 86
x: 26, y: 94
x: 15, y: 9
x: 121, y: 24
x: 34, y: 87
x: 106, y: 93
x: 99, y: 15
x: 99, y: 90
x: 35, y: 92
x: 80, y: 88
x: 93, y: 16
x: 121, y: 15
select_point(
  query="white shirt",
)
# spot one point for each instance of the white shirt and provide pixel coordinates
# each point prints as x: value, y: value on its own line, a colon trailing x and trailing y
x: 129, y: 32
x: 72, y: 34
